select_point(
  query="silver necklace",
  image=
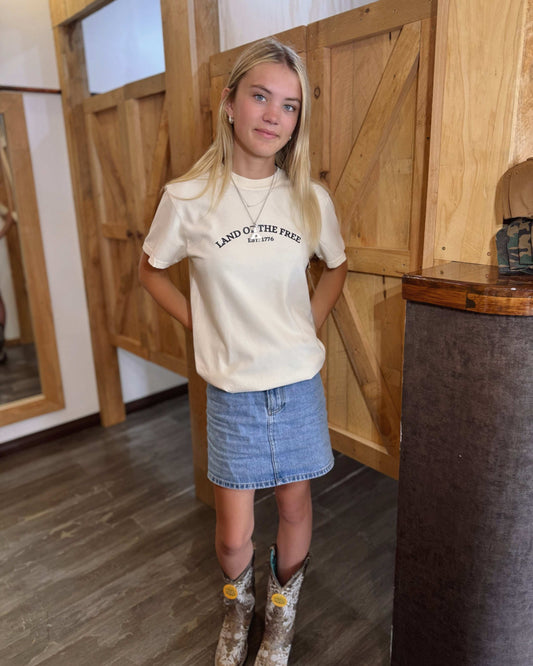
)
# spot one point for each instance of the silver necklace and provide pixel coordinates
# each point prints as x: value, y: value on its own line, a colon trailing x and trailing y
x: 255, y: 203
x: 254, y: 235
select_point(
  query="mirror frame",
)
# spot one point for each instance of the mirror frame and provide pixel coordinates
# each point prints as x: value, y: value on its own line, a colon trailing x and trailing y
x: 51, y: 397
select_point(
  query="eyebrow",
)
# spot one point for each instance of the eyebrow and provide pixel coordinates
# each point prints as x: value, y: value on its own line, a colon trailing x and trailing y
x: 287, y: 99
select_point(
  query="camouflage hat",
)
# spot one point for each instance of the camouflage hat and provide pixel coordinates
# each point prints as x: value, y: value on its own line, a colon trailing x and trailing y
x: 517, y: 190
x: 514, y: 247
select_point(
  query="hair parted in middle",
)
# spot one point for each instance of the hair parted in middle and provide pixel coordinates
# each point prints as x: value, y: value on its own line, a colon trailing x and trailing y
x: 217, y: 162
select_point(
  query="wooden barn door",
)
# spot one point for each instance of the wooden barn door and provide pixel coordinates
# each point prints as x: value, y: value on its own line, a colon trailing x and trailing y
x: 370, y: 72
x: 130, y: 162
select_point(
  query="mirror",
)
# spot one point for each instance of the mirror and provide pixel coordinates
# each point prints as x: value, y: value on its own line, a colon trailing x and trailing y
x: 30, y: 380
x: 19, y: 372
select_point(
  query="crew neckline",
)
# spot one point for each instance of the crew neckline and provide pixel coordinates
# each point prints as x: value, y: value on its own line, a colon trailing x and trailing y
x: 256, y: 183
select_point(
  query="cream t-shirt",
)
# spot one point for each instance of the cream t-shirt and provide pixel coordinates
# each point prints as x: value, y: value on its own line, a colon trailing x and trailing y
x: 253, y: 328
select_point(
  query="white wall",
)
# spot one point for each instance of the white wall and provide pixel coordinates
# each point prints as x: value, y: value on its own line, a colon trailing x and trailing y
x: 115, y: 58
x: 27, y: 55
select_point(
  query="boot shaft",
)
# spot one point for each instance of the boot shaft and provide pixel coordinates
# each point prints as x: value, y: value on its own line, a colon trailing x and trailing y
x: 280, y: 615
x: 239, y: 601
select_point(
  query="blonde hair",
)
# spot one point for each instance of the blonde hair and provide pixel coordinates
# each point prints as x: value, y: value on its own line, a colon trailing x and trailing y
x: 216, y: 163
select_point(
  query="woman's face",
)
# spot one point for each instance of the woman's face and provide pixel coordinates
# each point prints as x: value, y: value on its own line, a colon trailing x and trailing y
x: 265, y: 111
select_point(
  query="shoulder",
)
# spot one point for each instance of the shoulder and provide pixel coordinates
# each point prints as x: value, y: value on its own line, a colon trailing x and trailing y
x: 187, y: 189
x: 322, y: 194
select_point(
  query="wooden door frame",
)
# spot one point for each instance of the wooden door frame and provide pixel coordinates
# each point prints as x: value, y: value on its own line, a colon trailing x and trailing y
x: 70, y: 54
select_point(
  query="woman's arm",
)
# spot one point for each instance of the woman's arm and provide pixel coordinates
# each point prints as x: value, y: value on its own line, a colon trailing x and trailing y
x: 327, y: 291
x: 158, y: 285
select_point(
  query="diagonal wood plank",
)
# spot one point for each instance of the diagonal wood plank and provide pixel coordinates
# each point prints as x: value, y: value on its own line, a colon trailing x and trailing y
x: 124, y: 292
x: 111, y: 173
x: 365, y: 365
x: 390, y: 94
x: 366, y: 368
x: 364, y: 450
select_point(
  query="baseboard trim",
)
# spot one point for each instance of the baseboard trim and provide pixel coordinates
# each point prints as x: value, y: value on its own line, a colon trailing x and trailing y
x: 89, y: 421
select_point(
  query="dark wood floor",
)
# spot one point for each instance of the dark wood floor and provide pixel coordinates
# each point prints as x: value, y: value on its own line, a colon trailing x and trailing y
x: 19, y: 375
x: 107, y: 558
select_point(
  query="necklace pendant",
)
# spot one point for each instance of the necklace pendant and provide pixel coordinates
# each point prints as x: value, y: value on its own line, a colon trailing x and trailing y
x: 254, y: 235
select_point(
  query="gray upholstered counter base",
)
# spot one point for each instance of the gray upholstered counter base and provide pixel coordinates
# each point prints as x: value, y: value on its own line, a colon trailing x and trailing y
x: 464, y: 576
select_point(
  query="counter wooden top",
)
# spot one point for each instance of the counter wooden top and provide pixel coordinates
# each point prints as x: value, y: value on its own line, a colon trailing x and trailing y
x: 471, y: 287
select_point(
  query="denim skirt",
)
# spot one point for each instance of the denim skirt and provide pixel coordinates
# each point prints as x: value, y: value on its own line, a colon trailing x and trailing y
x: 260, y: 439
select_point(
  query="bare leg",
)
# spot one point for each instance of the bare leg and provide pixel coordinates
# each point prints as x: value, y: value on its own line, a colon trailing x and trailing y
x: 235, y: 525
x: 295, y: 527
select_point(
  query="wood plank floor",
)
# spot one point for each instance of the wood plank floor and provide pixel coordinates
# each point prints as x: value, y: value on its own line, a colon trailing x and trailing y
x: 107, y: 558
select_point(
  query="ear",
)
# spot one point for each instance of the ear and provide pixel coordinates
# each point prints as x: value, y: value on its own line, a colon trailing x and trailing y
x: 228, y: 104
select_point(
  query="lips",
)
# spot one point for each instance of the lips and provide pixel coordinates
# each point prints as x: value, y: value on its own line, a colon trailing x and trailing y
x: 266, y: 133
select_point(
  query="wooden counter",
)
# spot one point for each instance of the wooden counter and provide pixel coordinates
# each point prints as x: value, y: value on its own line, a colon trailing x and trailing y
x: 471, y: 287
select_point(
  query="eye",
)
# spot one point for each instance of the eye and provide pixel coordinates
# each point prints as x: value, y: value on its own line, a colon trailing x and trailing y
x: 290, y: 107
x: 259, y: 97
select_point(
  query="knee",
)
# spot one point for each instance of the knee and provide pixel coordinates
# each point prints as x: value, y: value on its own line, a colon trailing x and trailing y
x: 295, y: 510
x: 232, y: 540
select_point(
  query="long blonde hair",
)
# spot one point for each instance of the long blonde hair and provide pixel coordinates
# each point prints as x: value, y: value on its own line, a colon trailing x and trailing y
x: 216, y: 163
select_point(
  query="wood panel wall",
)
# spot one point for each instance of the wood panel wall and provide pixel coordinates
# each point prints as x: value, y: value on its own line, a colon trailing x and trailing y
x: 482, y: 123
x: 370, y: 132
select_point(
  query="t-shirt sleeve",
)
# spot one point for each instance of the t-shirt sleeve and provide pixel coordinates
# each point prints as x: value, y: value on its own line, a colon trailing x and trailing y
x: 331, y: 246
x: 165, y: 244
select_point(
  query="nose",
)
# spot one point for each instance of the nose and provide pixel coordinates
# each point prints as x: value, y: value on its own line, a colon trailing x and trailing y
x: 271, y: 114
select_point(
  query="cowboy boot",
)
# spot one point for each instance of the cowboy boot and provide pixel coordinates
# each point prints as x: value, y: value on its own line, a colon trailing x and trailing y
x: 239, y: 602
x: 280, y: 614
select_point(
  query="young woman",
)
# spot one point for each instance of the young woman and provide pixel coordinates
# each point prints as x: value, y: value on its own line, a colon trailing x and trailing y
x: 249, y: 218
